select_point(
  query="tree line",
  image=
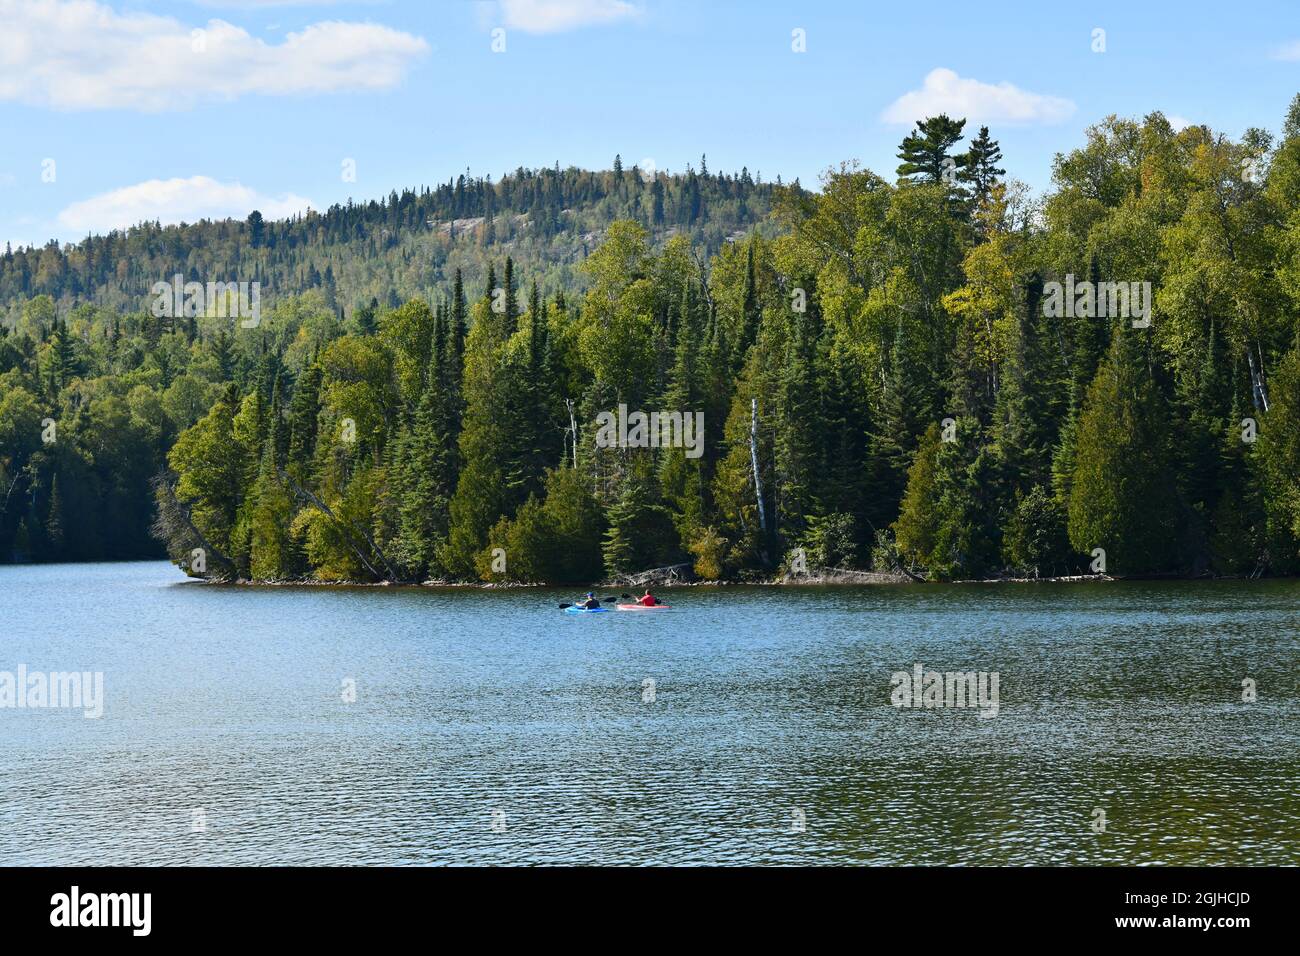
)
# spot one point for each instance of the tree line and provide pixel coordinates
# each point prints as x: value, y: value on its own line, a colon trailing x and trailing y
x: 406, y: 245
x: 885, y: 374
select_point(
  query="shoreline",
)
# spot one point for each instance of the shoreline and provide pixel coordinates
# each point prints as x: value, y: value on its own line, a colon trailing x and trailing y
x: 830, y: 579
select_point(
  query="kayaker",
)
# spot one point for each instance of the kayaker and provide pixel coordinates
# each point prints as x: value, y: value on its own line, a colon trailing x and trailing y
x: 647, y: 599
x: 589, y: 602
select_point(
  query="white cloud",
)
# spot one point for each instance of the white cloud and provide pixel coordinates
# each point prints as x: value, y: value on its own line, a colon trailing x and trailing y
x: 254, y: 4
x: 554, y: 16
x: 1288, y: 51
x: 1179, y: 123
x: 943, y: 91
x: 172, y: 201
x: 79, y: 54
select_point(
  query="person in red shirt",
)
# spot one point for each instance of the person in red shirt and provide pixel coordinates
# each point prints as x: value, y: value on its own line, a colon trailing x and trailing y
x: 648, y: 599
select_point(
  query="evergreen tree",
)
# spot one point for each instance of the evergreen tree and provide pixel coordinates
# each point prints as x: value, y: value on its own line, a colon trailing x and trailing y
x: 429, y: 477
x: 750, y: 313
x: 54, y: 530
x: 926, y: 153
x: 1120, y: 497
x: 304, y: 412
x: 66, y: 366
x: 640, y: 534
x: 980, y: 169
x: 511, y: 315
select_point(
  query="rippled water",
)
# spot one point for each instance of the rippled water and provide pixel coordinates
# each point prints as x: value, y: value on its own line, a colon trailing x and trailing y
x: 490, y: 728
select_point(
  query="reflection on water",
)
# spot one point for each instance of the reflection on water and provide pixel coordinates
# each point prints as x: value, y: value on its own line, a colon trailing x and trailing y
x: 490, y: 728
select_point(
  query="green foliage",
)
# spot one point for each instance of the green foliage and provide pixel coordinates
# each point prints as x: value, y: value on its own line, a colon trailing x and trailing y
x: 831, y: 541
x: 917, y: 528
x: 980, y: 170
x: 555, y: 541
x: 1120, y: 497
x: 377, y: 424
x: 641, y: 533
x: 966, y: 485
x: 405, y: 246
x: 1036, y: 543
x: 1278, y: 464
x: 710, y: 550
x: 926, y: 153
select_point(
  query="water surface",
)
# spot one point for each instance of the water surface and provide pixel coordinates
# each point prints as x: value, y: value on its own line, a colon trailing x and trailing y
x: 490, y: 728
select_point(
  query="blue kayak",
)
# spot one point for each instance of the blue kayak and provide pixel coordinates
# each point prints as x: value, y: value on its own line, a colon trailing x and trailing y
x: 586, y: 610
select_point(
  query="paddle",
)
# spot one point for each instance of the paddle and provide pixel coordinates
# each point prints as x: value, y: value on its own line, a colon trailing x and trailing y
x: 602, y: 601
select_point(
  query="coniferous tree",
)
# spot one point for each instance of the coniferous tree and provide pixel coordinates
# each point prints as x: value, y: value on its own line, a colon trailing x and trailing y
x: 304, y: 412
x: 926, y: 153
x: 1120, y: 497
x: 980, y: 171
x: 511, y: 299
x: 429, y: 476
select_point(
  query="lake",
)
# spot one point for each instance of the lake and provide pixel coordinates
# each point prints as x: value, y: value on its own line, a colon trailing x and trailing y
x: 747, y: 725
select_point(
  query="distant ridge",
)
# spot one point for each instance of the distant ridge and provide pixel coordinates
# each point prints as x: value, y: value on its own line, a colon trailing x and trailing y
x: 403, y: 245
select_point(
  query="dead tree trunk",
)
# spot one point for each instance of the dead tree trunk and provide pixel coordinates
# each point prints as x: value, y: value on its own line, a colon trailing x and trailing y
x: 753, y: 458
x: 1258, y: 393
x: 573, y: 430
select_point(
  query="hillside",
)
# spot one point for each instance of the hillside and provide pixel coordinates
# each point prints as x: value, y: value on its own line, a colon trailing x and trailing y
x: 406, y: 245
x: 922, y: 372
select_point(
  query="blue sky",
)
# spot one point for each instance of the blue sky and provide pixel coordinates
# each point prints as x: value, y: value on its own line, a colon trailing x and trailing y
x: 213, y: 107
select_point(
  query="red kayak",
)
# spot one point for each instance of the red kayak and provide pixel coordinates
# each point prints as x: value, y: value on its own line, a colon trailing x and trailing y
x: 643, y: 607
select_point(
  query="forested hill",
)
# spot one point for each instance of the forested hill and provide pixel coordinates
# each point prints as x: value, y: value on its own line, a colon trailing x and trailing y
x: 934, y: 370
x: 406, y: 245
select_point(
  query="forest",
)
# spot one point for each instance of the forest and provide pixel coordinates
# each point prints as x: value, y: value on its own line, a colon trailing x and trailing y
x: 938, y: 373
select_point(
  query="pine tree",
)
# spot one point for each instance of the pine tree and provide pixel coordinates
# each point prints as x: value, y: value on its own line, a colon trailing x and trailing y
x: 900, y: 416
x: 490, y: 401
x: 272, y: 552
x: 456, y: 334
x: 543, y: 448
x: 54, y: 529
x: 222, y: 347
x: 1120, y: 497
x: 926, y: 153
x: 844, y: 467
x: 428, y: 478
x: 304, y: 412
x: 750, y: 313
x: 1028, y: 403
x: 980, y: 167
x: 511, y: 316
x: 622, y: 549
x: 66, y: 365
x: 366, y: 317
x: 917, y: 527
x: 800, y: 429
x: 968, y: 489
